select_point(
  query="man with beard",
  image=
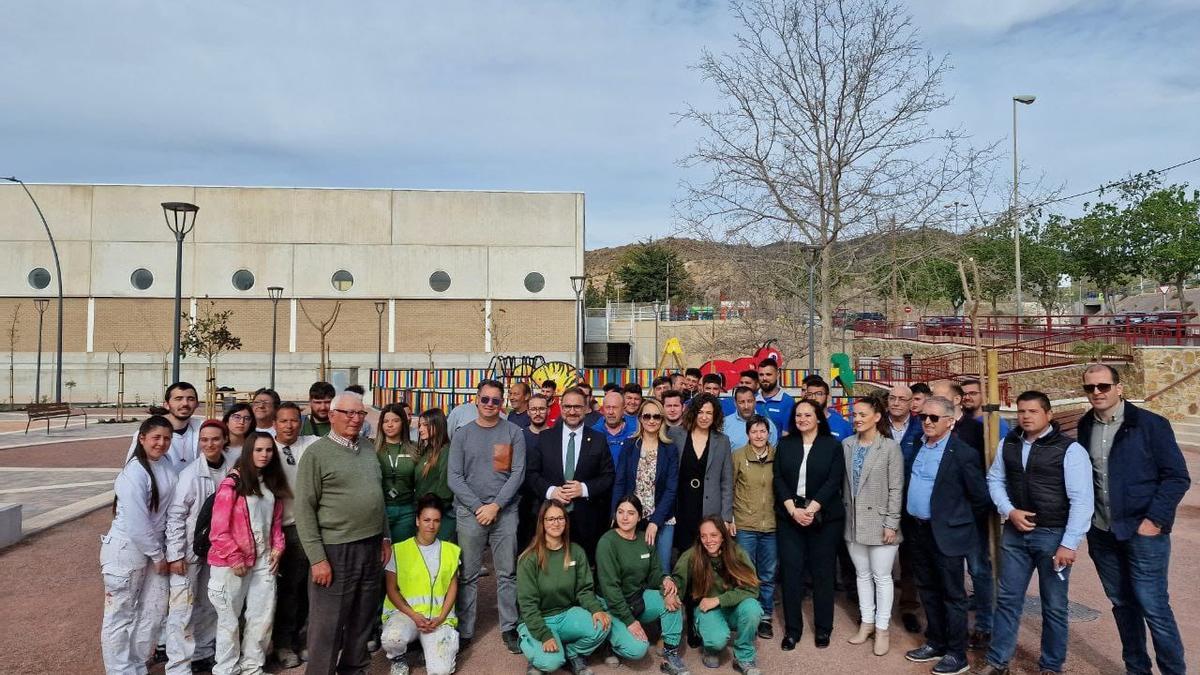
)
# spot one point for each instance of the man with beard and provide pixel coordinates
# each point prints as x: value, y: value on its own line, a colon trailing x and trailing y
x: 316, y: 423
x: 181, y: 402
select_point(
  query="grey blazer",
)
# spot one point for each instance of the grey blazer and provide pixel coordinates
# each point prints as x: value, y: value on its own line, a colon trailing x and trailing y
x: 718, y: 477
x: 880, y: 491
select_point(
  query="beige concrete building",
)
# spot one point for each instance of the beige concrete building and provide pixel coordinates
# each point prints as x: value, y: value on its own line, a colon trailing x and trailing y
x: 463, y: 275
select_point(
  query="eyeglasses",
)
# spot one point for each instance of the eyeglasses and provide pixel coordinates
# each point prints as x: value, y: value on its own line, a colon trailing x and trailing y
x: 1102, y: 387
x: 262, y: 404
x: 574, y: 406
x: 893, y: 397
x: 651, y: 417
x: 932, y: 418
x: 491, y: 400
x: 291, y: 459
x: 554, y: 519
x: 240, y: 418
x: 360, y: 414
x: 543, y: 410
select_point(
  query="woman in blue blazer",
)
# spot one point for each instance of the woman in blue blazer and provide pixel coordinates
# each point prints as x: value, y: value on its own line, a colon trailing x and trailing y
x: 654, y: 480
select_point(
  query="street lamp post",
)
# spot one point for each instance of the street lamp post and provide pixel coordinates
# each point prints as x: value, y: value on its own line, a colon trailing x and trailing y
x: 40, y: 304
x: 178, y: 221
x: 380, y: 305
x: 1026, y: 99
x: 954, y: 205
x: 275, y: 293
x: 577, y: 286
x: 58, y: 277
x: 813, y: 251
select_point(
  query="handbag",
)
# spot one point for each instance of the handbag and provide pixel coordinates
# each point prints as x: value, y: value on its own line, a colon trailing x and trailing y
x: 818, y: 517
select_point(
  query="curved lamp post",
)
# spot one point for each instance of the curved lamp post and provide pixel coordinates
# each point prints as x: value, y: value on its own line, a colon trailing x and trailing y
x: 1025, y: 99
x: 178, y: 221
x: 58, y: 276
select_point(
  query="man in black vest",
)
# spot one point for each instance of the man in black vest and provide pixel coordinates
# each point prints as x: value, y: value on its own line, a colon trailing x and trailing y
x: 1041, y: 482
x: 573, y: 467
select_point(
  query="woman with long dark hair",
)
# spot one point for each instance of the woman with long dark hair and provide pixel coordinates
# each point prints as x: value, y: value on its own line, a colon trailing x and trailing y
x: 133, y: 561
x: 429, y: 476
x: 562, y: 621
x: 634, y: 589
x: 705, y: 469
x: 648, y: 467
x: 808, y: 475
x: 872, y: 493
x: 397, y: 463
x: 717, y: 575
x: 246, y: 543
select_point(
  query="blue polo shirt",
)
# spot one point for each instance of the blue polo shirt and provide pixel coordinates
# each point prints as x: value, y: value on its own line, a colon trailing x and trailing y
x: 615, y: 443
x: 778, y: 408
x: 924, y: 472
x: 838, y: 425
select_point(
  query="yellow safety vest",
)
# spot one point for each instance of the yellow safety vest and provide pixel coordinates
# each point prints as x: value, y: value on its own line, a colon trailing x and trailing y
x: 423, y: 594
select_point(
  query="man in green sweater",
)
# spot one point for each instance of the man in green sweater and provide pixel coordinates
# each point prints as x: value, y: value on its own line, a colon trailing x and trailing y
x: 343, y: 527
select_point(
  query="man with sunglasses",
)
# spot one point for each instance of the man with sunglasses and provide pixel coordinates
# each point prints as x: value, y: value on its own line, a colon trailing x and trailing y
x: 572, y: 466
x: 946, y: 472
x: 1139, y: 477
x: 485, y: 472
x: 343, y: 528
x: 291, y: 605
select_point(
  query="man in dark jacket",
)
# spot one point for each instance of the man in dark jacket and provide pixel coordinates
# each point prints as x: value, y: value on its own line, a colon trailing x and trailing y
x: 946, y: 471
x: 572, y: 466
x: 1140, y: 476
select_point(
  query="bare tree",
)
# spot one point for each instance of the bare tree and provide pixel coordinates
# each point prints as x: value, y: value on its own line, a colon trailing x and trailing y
x: 824, y: 135
x: 323, y: 327
x: 13, y: 335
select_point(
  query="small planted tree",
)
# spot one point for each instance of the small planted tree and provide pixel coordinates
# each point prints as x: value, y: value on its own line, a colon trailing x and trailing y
x: 208, y: 335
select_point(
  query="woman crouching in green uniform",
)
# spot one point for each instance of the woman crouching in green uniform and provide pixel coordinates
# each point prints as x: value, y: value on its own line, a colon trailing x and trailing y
x: 634, y: 589
x: 720, y: 578
x: 562, y: 621
x: 398, y: 461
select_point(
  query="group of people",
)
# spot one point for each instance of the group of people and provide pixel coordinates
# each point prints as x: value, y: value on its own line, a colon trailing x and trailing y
x: 680, y: 507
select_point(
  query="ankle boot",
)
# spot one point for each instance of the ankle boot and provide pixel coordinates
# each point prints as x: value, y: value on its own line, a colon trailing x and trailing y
x: 881, y: 642
x: 865, y: 631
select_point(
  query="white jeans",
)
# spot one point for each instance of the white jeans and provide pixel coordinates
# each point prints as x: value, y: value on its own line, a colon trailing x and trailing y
x: 440, y: 646
x: 135, y: 605
x: 873, y: 567
x: 191, y: 620
x: 229, y: 593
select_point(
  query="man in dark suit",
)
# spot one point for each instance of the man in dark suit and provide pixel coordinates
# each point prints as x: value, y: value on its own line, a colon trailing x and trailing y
x: 946, y: 472
x: 572, y: 466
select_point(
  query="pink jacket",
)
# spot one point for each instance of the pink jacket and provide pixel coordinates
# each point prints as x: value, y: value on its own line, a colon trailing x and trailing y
x: 232, y: 540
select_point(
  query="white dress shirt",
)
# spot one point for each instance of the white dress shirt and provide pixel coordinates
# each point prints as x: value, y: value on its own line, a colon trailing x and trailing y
x: 577, y: 432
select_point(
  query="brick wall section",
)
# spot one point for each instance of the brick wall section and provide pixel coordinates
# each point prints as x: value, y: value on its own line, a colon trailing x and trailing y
x: 74, y: 324
x: 533, y: 326
x: 451, y: 326
x: 354, y: 331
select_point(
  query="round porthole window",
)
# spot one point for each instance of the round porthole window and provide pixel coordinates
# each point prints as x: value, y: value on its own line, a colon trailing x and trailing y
x: 141, y: 279
x: 439, y: 281
x: 243, y: 280
x: 342, y: 280
x: 535, y: 282
x: 39, y: 278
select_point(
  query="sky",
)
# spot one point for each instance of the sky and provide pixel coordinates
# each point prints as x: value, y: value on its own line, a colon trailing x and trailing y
x: 542, y: 95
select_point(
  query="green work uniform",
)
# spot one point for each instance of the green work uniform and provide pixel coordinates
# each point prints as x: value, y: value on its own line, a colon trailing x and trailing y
x: 398, y: 461
x: 626, y: 569
x: 434, y: 482
x: 739, y: 608
x: 557, y: 602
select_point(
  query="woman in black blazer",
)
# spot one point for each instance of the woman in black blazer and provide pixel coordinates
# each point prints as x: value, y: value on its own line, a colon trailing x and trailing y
x: 810, y: 518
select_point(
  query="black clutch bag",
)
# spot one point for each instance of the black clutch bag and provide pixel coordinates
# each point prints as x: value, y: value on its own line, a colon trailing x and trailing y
x: 802, y: 503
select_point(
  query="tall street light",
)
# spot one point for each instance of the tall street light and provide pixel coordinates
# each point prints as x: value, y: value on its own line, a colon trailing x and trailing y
x: 58, y: 276
x: 178, y: 221
x: 1026, y: 99
x: 813, y: 252
x: 577, y: 286
x: 275, y: 293
x: 380, y: 305
x: 40, y: 304
x: 956, y: 205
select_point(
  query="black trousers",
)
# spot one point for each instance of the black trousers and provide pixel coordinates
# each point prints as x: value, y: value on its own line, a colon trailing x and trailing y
x: 291, y: 604
x: 811, y: 550
x: 943, y: 592
x: 343, y: 616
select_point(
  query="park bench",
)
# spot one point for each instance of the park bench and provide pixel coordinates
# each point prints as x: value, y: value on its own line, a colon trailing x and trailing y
x: 49, y: 411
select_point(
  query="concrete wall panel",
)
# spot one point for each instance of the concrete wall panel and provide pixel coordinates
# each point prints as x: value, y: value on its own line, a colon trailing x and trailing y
x: 68, y: 210
x: 133, y: 213
x: 286, y: 215
x: 479, y: 218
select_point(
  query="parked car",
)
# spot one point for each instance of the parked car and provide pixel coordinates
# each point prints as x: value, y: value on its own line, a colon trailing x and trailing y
x: 1127, y: 318
x: 947, y: 325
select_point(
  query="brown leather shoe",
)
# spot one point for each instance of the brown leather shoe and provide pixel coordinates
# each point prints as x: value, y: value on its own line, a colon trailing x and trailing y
x: 985, y: 668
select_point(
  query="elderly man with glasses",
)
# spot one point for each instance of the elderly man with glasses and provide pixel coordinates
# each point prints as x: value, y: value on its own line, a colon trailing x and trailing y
x: 343, y: 527
x: 485, y: 472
